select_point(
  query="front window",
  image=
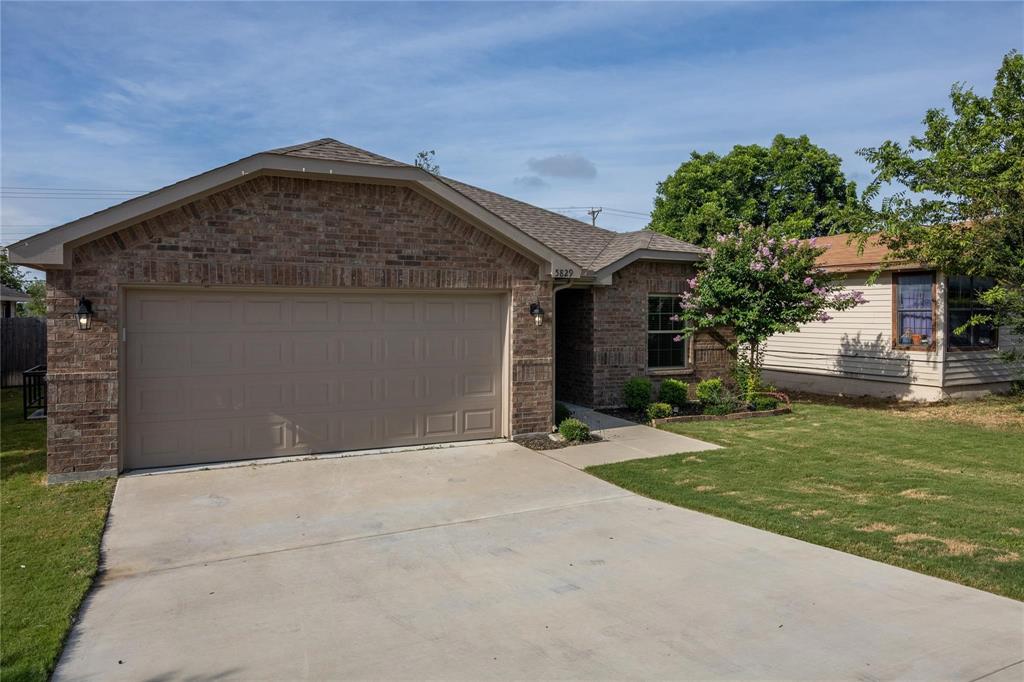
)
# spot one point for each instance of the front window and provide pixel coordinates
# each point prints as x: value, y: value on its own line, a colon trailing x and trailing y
x: 963, y: 293
x: 914, y: 310
x: 662, y: 351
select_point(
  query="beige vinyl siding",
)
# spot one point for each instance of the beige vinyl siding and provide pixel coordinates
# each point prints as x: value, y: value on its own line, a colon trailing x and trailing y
x: 974, y: 368
x: 857, y: 343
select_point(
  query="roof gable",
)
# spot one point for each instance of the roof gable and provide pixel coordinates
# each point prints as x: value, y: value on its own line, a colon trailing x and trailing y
x: 567, y: 245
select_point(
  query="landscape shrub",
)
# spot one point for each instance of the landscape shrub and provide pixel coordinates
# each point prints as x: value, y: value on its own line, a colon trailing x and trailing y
x: 764, y: 402
x: 715, y: 398
x: 674, y: 392
x: 710, y: 391
x: 719, y: 408
x: 561, y: 413
x: 636, y: 393
x: 573, y: 430
x: 659, y: 410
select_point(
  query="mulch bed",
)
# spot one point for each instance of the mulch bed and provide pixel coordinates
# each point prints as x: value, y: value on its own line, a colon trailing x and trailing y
x: 692, y: 412
x: 545, y: 443
x: 641, y: 418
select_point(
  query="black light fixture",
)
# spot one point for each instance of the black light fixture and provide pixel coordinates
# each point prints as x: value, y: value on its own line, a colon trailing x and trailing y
x: 538, y: 313
x: 84, y: 313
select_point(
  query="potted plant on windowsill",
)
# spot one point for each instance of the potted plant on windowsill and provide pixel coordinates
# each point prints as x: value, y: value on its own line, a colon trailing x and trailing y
x: 915, y: 339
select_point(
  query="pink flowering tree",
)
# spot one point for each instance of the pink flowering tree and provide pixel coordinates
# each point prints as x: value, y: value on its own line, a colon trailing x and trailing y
x: 760, y: 283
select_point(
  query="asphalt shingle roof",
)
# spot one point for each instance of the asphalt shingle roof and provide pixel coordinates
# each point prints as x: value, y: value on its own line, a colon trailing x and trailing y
x: 589, y: 247
x: 329, y: 149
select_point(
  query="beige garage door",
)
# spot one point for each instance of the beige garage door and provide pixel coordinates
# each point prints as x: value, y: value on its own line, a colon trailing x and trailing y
x: 219, y: 376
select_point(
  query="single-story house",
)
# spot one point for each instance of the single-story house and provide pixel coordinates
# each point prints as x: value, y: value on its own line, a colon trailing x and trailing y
x: 321, y: 298
x: 10, y: 298
x: 902, y: 343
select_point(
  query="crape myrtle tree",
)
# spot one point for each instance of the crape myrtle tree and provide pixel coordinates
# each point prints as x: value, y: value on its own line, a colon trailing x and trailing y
x: 760, y: 282
x: 960, y: 199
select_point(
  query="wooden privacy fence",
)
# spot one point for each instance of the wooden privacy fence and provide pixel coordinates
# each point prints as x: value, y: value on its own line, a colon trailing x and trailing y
x: 22, y: 346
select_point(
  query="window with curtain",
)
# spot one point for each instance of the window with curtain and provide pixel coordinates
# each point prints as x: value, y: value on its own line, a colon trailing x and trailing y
x: 962, y: 296
x: 915, y: 312
x: 662, y: 351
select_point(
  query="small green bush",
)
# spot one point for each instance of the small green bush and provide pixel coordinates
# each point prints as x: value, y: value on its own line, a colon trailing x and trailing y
x: 764, y: 402
x: 659, y: 410
x: 636, y: 393
x: 561, y: 413
x: 718, y: 408
x: 573, y: 430
x: 711, y: 392
x: 715, y: 398
x: 674, y: 392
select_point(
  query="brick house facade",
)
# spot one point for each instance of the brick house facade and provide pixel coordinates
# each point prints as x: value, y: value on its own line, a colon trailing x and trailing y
x: 325, y: 218
x: 601, y: 336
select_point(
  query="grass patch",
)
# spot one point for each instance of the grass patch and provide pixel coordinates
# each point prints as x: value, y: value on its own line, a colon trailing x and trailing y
x: 50, y: 538
x: 938, y: 497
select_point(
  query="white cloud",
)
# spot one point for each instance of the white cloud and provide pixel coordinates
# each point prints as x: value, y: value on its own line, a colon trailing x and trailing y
x: 564, y: 166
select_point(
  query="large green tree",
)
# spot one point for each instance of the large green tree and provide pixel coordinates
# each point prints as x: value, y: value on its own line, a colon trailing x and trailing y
x: 793, y: 185
x: 10, y: 274
x: 959, y: 203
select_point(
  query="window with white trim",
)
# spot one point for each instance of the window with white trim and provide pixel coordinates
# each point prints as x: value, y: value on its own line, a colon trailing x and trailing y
x: 662, y: 350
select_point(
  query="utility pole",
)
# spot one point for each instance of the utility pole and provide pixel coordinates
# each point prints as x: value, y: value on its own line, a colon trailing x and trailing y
x: 593, y: 213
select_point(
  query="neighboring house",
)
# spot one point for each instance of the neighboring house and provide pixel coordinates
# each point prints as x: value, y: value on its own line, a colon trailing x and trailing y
x: 902, y: 342
x: 10, y: 298
x: 322, y: 298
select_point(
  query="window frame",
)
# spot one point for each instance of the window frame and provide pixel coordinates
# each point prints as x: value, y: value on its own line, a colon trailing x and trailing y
x: 950, y: 346
x: 930, y: 346
x: 687, y: 365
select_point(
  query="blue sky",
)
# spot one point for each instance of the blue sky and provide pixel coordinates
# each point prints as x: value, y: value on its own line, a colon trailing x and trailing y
x: 557, y: 104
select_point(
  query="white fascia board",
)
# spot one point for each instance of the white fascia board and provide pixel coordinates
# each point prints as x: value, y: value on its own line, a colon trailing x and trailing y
x: 603, y: 277
x: 51, y: 250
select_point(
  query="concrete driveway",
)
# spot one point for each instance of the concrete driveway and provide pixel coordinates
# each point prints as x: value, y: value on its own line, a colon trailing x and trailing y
x: 496, y: 562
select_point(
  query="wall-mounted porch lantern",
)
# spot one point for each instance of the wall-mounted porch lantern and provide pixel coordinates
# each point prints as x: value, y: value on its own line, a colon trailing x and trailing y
x: 538, y: 313
x: 84, y: 313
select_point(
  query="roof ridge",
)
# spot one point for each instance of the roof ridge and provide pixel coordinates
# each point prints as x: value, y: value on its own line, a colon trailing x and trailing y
x: 532, y: 206
x: 302, y: 145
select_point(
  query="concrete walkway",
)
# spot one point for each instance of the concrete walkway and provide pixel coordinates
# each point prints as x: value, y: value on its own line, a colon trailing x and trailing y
x: 495, y: 562
x: 622, y: 440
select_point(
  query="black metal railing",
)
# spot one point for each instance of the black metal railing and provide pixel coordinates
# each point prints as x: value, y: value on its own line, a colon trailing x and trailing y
x: 33, y: 391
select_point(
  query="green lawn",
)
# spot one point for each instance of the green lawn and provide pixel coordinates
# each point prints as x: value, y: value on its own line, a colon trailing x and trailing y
x: 49, y: 547
x: 931, y: 495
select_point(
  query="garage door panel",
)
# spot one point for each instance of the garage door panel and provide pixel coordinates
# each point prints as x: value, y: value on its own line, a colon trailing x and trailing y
x: 312, y: 392
x: 358, y: 389
x: 480, y: 348
x: 356, y: 349
x: 480, y: 314
x: 259, y: 312
x: 212, y: 397
x: 216, y: 376
x: 441, y: 424
x: 400, y: 350
x: 480, y: 421
x: 400, y: 427
x: 214, y: 352
x: 479, y: 384
x: 160, y: 397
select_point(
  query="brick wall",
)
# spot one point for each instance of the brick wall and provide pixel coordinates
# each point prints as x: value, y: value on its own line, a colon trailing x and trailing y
x: 620, y: 331
x: 274, y: 231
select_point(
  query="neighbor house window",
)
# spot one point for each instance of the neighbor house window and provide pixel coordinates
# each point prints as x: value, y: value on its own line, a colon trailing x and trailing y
x: 962, y: 294
x: 662, y: 350
x: 914, y: 310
